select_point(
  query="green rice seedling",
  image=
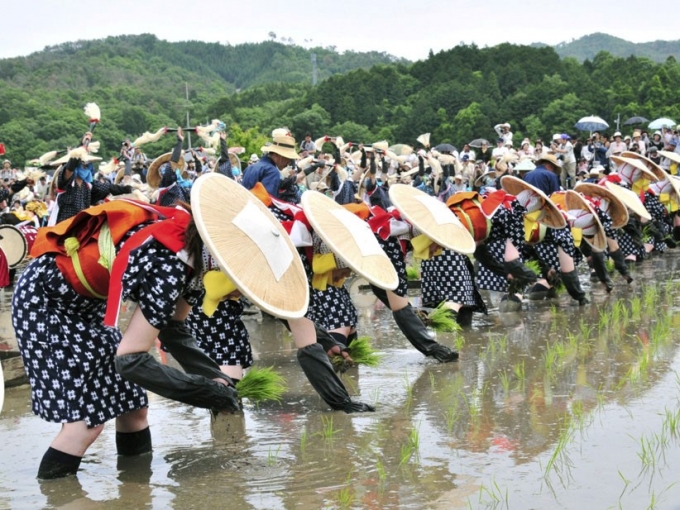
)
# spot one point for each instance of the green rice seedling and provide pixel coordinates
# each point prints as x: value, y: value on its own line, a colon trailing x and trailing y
x: 604, y: 319
x: 412, y: 273
x: 409, y: 391
x: 451, y: 416
x: 433, y: 381
x: 328, y: 431
x: 304, y: 438
x: 272, y: 456
x: 505, y: 381
x: 626, y: 483
x: 635, y: 308
x: 650, y: 297
x: 503, y: 343
x: 380, y: 469
x: 616, y: 314
x: 646, y: 455
x: 459, y: 342
x: 534, y: 266
x: 671, y: 423
x: 405, y: 453
x: 346, y: 497
x: 441, y: 319
x: 518, y: 370
x: 414, y: 438
x: 559, y: 459
x: 260, y: 384
x: 585, y: 329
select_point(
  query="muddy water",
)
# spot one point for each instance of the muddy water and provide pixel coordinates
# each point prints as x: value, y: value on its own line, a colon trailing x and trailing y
x: 554, y: 407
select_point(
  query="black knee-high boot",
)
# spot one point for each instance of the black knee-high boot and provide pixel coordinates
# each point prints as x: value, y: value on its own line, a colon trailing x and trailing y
x: 573, y: 286
x: 620, y: 264
x: 416, y: 332
x: 600, y: 269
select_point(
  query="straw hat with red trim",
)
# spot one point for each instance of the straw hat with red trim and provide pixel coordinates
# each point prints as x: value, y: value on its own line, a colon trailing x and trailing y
x: 350, y: 239
x: 432, y: 217
x: 631, y: 170
x: 153, y: 175
x: 250, y: 245
x: 628, y: 197
x: 608, y: 202
x: 651, y: 166
x: 533, y: 199
x: 582, y: 215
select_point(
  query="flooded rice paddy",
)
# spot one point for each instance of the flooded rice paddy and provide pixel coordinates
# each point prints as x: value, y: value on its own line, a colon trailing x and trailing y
x: 558, y: 406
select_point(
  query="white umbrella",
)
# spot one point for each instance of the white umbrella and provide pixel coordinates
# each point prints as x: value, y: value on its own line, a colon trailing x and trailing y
x: 591, y: 123
x: 662, y: 122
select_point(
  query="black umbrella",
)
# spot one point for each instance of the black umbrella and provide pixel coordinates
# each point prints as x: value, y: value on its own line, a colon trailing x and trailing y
x: 445, y: 147
x: 477, y: 142
x: 635, y: 120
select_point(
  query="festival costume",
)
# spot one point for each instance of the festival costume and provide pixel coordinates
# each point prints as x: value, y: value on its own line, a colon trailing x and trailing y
x: 67, y: 336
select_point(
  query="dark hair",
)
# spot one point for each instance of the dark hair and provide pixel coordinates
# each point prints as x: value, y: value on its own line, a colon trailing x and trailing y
x: 192, y: 240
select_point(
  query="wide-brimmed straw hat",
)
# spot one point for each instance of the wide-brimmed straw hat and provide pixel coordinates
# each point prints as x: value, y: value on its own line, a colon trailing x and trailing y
x: 432, y: 217
x: 673, y: 156
x: 627, y: 167
x: 630, y: 199
x: 480, y: 180
x: 350, y: 239
x: 13, y: 244
x: 283, y: 145
x: 585, y: 218
x: 534, y: 199
x: 612, y: 204
x: 550, y: 158
x: 651, y: 166
x: 250, y: 246
x: 153, y: 175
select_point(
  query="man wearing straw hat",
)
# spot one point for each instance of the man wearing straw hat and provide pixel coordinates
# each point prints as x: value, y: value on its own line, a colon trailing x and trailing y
x: 277, y: 156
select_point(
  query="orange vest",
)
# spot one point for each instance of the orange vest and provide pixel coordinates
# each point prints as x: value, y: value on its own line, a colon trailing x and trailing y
x: 467, y: 207
x: 83, y: 232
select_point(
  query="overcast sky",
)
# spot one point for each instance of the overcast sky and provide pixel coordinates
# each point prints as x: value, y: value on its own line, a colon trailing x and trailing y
x: 403, y: 28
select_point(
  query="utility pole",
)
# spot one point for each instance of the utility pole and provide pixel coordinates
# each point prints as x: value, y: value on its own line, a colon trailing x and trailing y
x: 313, y: 68
x: 186, y: 89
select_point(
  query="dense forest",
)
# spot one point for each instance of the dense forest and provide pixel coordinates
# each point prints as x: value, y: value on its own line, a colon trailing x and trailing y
x: 457, y: 95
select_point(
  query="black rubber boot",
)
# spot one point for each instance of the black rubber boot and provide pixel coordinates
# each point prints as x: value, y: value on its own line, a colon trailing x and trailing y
x: 620, y: 264
x: 676, y: 233
x: 539, y: 292
x: 317, y: 367
x: 416, y: 332
x: 327, y: 340
x: 573, y: 286
x: 601, y: 270
x: 178, y: 341
x: 196, y: 390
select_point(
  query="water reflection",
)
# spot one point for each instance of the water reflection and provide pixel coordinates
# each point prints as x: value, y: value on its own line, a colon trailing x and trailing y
x: 556, y: 396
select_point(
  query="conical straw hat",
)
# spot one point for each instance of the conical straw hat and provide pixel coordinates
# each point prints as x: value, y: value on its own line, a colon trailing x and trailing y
x: 250, y: 246
x: 651, y: 166
x: 551, y: 216
x: 623, y: 167
x: 349, y: 238
x: 632, y: 201
x: 480, y: 180
x: 673, y: 156
x: 432, y: 217
x: 616, y: 208
x: 13, y: 243
x: 589, y: 221
x: 153, y: 176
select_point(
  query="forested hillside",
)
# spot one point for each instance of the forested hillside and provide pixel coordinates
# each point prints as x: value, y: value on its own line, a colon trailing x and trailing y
x: 587, y: 47
x: 457, y: 95
x: 139, y: 84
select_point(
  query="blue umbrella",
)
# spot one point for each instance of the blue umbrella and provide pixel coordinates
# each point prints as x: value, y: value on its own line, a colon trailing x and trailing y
x: 591, y: 123
x: 662, y: 122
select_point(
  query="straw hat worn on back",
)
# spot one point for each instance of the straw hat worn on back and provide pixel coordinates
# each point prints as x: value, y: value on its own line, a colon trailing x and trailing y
x: 350, y: 238
x: 13, y: 244
x: 250, y: 246
x: 153, y: 175
x: 281, y: 144
x: 607, y: 201
x: 651, y: 166
x: 550, y: 158
x: 632, y: 169
x: 583, y: 216
x: 432, y: 217
x: 533, y: 199
x: 631, y: 199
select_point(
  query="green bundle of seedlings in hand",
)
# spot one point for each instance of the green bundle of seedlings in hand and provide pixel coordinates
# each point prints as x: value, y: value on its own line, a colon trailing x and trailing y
x: 260, y: 384
x: 361, y: 352
x: 412, y: 273
x: 440, y: 319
